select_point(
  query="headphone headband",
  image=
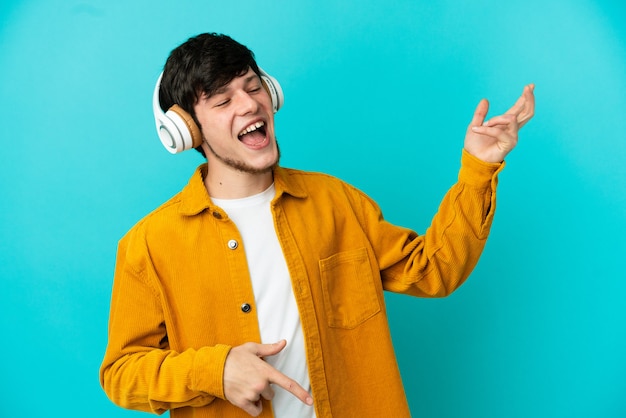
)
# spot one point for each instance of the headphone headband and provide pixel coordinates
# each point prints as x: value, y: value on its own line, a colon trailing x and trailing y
x: 178, y: 131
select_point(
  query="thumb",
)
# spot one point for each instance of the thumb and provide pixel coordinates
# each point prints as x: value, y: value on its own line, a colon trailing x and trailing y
x: 271, y: 349
x: 480, y: 113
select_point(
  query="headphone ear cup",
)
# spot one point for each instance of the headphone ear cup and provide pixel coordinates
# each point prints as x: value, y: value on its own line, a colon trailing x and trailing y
x: 274, y: 89
x: 176, y: 128
x: 195, y: 136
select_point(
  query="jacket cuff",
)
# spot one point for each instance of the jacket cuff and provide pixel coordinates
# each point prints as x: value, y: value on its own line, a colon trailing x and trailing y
x: 477, y: 173
x: 209, y: 370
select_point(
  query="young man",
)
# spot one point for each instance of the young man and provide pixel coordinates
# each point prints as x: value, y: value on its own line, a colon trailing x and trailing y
x: 258, y: 290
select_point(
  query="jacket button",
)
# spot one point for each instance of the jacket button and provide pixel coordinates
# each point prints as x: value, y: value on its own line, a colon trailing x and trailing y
x: 217, y: 215
x: 233, y: 244
x: 245, y: 308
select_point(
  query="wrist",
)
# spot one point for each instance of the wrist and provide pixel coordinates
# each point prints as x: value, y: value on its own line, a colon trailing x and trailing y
x: 477, y: 172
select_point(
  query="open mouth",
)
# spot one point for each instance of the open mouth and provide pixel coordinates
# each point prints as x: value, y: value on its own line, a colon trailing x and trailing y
x: 253, y: 134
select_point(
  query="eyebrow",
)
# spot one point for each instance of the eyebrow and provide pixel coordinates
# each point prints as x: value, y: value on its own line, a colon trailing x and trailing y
x: 225, y: 88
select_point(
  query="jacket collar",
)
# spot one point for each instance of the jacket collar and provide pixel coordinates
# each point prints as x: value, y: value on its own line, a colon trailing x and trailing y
x: 194, y: 197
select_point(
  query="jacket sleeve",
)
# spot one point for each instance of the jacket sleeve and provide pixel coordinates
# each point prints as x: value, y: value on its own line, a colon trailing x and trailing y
x: 438, y: 262
x: 139, y: 370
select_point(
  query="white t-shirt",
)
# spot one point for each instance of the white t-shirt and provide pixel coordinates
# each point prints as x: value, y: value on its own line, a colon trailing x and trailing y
x: 276, y: 304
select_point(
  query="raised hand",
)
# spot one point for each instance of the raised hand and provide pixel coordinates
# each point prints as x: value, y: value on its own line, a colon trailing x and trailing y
x: 248, y: 378
x: 493, y: 139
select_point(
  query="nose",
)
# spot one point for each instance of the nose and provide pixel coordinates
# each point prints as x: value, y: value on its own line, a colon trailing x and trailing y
x: 246, y: 103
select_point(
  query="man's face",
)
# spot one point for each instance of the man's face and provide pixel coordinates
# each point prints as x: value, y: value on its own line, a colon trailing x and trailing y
x: 238, y: 126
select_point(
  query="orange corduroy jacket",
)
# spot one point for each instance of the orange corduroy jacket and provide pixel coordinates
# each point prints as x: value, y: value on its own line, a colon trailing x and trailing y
x: 181, y: 280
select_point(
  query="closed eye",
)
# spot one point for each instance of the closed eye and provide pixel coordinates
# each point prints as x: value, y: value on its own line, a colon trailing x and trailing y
x: 222, y: 103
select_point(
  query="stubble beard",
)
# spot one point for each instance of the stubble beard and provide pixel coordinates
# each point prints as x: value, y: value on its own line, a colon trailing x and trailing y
x: 242, y: 166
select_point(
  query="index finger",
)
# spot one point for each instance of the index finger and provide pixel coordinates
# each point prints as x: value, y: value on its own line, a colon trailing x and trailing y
x: 480, y: 113
x: 291, y: 386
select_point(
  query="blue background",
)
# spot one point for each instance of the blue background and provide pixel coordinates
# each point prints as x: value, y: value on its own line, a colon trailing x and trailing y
x: 378, y: 93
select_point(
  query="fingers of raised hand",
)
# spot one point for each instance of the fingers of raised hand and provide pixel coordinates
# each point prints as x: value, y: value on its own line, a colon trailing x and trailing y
x: 480, y: 113
x: 503, y: 128
x: 506, y: 122
x: 503, y: 136
x: 524, y: 107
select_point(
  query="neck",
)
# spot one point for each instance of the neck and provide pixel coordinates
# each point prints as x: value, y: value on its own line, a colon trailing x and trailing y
x: 237, y: 184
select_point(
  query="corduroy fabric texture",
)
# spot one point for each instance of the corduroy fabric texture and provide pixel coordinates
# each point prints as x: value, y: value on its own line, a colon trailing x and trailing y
x: 181, y: 280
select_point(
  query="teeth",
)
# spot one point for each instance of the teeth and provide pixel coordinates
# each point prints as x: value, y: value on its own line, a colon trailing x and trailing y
x: 251, y: 128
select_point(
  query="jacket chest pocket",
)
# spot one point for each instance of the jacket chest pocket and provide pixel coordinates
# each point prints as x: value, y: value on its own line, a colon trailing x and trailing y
x: 350, y: 296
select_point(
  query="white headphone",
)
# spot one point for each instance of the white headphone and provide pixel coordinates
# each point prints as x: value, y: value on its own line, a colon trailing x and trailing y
x: 177, y: 129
